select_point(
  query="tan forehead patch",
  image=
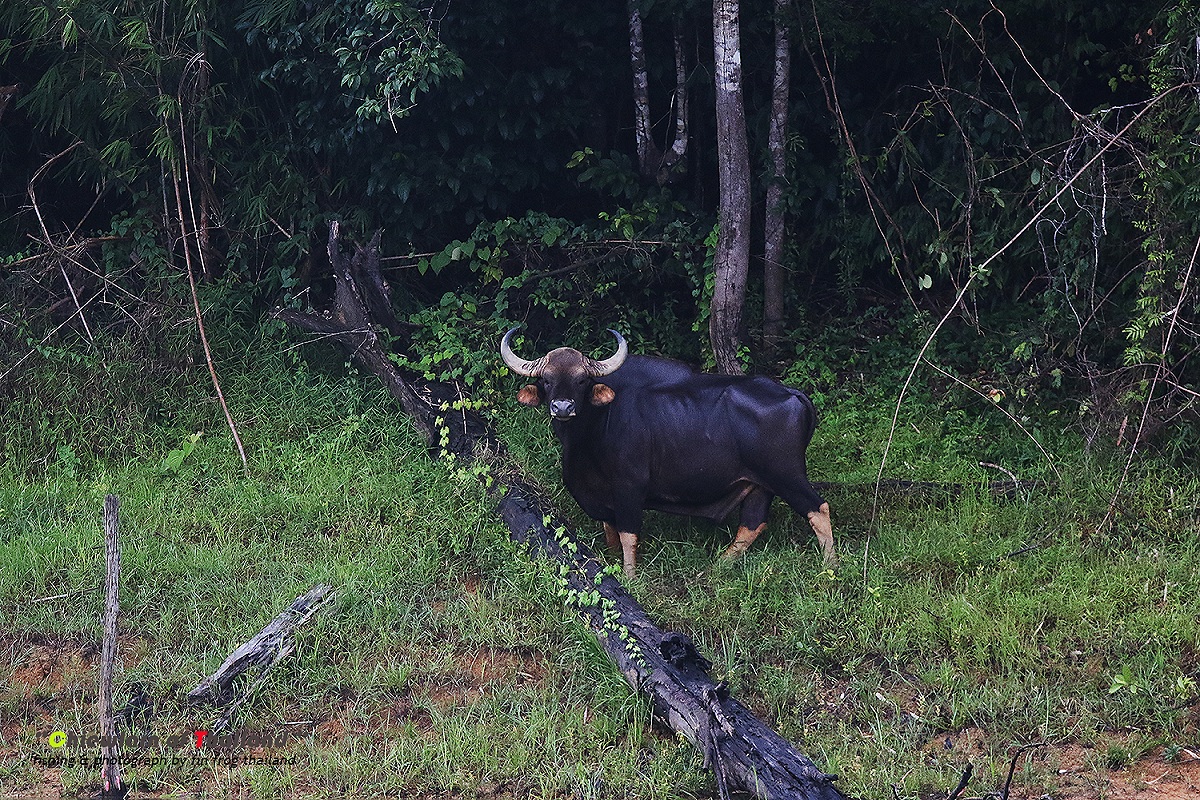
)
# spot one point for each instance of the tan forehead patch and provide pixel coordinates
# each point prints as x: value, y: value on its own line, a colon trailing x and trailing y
x: 565, y: 361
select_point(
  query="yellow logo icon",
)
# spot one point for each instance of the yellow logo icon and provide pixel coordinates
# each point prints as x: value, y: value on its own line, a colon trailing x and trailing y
x: 58, y: 739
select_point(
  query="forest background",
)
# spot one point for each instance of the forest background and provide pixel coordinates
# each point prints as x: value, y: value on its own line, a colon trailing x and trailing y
x: 969, y: 232
x: 531, y: 164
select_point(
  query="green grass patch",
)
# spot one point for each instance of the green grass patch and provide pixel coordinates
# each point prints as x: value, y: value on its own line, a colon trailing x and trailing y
x: 958, y: 626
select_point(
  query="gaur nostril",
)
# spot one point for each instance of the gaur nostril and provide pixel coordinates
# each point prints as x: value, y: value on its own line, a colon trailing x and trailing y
x: 562, y: 408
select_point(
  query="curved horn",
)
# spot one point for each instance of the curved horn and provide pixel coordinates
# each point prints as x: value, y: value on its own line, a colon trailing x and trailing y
x: 530, y: 369
x: 598, y: 369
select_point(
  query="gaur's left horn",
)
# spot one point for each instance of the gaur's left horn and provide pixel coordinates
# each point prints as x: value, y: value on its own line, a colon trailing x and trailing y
x: 530, y: 369
x: 598, y: 369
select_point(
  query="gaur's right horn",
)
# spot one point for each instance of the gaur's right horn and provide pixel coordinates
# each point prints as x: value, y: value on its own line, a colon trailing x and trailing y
x: 530, y: 369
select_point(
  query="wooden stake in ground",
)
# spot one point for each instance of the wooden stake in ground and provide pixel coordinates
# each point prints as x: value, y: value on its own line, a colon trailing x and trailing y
x: 110, y: 769
x: 743, y: 753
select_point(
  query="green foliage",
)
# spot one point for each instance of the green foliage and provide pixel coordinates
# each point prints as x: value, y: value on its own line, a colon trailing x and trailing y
x: 174, y: 459
x: 248, y: 110
x: 512, y: 174
x: 948, y: 613
x: 1170, y: 204
x: 574, y: 280
x: 206, y: 562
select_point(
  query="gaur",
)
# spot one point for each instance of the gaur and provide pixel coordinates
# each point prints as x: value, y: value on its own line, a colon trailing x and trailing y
x: 639, y: 432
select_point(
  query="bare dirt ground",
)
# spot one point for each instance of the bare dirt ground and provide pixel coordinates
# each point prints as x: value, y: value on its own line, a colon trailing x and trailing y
x: 49, y: 671
x: 1152, y: 777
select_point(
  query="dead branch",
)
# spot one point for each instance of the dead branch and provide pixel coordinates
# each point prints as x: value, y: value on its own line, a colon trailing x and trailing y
x: 62, y: 253
x: 266, y: 649
x: 982, y: 269
x: 199, y: 319
x: 110, y: 768
x: 742, y: 751
x: 359, y: 293
x: 1012, y: 767
x: 962, y: 783
x: 7, y: 93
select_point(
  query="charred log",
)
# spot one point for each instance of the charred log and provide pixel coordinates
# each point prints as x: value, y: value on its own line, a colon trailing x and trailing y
x: 262, y: 652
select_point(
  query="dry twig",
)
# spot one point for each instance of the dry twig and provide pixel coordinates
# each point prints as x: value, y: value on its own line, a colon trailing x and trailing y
x: 187, y: 257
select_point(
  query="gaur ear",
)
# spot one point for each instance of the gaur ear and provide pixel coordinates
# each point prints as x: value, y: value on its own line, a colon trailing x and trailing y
x: 602, y: 395
x: 528, y: 396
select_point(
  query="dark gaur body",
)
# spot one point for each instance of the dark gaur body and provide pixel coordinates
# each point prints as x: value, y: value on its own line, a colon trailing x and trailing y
x: 640, y: 432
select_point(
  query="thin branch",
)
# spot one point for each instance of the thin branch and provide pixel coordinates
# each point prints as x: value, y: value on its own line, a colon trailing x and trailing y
x: 196, y: 62
x: 1012, y: 767
x: 874, y: 204
x: 45, y: 339
x: 1003, y: 411
x: 962, y: 783
x: 187, y: 257
x: 1016, y: 123
x: 999, y: 468
x: 78, y: 308
x: 49, y: 241
x: 212, y: 370
x: 1154, y: 101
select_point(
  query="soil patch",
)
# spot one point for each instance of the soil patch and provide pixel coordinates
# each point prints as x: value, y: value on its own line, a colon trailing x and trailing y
x: 484, y: 669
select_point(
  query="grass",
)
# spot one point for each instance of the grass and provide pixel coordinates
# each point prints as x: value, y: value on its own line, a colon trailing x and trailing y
x: 447, y: 665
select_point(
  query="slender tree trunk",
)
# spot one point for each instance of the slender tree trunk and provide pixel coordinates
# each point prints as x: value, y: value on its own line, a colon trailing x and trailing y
x: 649, y: 157
x: 776, y: 229
x: 732, y: 259
x: 670, y: 168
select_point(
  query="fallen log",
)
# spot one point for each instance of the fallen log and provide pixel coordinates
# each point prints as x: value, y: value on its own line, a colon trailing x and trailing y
x: 264, y: 650
x: 743, y: 753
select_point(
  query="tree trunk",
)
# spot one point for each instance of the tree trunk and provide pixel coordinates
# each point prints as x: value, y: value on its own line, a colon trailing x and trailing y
x: 775, y: 226
x: 673, y: 164
x: 731, y: 263
x: 649, y: 157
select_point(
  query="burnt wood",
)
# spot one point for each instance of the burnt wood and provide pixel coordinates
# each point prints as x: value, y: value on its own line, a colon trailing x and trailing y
x: 263, y: 651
